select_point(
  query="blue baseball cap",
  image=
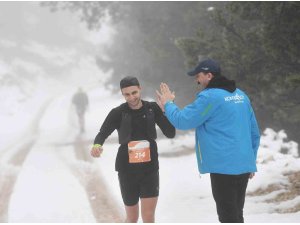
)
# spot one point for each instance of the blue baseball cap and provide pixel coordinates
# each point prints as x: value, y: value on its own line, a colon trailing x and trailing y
x: 206, y: 66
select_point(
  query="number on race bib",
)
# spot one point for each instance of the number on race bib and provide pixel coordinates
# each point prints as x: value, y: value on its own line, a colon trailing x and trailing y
x: 139, y: 151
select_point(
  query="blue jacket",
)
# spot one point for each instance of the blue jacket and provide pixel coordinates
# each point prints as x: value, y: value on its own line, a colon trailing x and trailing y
x: 227, y: 134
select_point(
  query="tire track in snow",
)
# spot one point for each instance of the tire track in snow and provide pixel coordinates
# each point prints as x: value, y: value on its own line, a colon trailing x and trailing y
x: 9, y: 172
x: 104, y: 207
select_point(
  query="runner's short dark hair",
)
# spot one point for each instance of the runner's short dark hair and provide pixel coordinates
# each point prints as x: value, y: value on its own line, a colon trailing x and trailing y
x: 129, y: 81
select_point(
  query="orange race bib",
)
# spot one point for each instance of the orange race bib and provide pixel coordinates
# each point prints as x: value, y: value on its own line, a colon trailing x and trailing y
x: 139, y: 151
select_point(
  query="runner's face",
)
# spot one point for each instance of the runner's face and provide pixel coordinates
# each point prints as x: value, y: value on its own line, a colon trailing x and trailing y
x: 132, y: 96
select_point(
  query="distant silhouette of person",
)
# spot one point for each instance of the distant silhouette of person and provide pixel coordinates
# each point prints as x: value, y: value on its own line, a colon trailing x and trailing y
x: 81, y: 102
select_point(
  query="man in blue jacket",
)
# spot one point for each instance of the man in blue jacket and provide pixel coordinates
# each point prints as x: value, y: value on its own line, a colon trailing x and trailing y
x: 227, y: 135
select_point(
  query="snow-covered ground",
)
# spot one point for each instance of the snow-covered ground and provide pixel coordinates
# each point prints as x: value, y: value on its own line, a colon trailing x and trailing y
x: 46, y: 172
x: 47, y: 188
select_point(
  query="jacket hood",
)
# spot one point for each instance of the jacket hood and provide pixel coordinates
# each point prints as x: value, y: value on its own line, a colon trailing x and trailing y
x: 222, y: 83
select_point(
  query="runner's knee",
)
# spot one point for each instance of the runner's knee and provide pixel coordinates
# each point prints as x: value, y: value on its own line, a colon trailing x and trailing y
x: 148, y: 217
x: 131, y: 219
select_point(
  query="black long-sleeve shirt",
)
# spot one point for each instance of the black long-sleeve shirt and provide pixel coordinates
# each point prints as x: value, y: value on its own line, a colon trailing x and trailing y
x: 138, y: 132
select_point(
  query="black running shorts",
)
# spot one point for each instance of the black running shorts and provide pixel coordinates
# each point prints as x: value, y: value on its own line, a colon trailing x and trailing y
x: 138, y: 185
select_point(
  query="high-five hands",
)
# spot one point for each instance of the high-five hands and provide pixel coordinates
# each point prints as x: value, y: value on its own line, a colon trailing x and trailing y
x: 164, y: 95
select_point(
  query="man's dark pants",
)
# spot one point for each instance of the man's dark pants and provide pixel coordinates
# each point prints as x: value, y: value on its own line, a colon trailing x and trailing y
x: 229, y: 193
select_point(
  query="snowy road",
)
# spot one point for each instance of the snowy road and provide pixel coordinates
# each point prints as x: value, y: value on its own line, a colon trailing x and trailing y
x: 44, y: 176
x: 12, y: 159
x: 47, y: 174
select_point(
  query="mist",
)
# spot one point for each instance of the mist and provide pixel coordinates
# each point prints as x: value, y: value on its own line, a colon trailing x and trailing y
x: 50, y: 49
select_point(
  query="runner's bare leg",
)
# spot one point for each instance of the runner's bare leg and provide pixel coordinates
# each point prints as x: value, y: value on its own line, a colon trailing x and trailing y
x: 148, y: 206
x: 132, y: 213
